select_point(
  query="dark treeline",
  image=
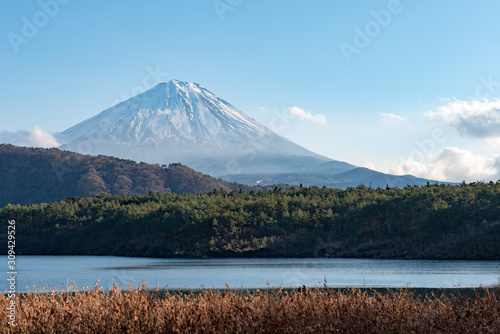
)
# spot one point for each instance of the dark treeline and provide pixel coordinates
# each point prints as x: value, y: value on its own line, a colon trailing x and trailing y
x: 434, y: 221
x: 36, y: 175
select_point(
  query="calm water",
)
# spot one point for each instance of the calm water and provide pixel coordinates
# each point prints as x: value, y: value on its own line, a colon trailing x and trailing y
x: 53, y: 271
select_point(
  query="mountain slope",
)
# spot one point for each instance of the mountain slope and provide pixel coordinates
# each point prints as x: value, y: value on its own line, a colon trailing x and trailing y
x: 182, y: 121
x: 351, y: 178
x: 35, y: 175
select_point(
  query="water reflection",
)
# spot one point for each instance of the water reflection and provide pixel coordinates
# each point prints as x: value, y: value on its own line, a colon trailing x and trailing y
x: 53, y: 271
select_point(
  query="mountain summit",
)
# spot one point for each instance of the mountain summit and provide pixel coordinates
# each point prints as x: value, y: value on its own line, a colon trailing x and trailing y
x: 183, y: 122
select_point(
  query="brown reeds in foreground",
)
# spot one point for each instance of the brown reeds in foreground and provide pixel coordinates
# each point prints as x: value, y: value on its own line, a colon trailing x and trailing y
x: 318, y: 310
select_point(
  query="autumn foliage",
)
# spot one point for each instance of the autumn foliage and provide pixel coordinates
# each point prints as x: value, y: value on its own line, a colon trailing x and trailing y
x: 318, y: 310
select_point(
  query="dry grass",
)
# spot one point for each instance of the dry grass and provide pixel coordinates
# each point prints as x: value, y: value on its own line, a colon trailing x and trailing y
x: 231, y: 311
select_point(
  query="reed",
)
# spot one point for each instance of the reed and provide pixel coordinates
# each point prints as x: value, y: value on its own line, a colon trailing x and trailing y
x: 318, y: 310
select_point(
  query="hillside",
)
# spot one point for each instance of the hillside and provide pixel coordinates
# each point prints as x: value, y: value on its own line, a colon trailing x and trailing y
x: 183, y: 121
x: 342, y: 180
x: 35, y: 175
x: 434, y: 221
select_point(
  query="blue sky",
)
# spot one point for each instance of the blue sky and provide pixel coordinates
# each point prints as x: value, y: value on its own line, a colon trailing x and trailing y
x: 398, y: 86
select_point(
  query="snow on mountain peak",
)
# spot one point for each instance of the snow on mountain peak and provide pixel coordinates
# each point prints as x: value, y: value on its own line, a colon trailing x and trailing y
x: 179, y: 110
x: 182, y: 121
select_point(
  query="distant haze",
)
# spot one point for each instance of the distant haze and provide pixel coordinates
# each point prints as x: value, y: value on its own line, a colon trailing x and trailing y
x: 183, y: 122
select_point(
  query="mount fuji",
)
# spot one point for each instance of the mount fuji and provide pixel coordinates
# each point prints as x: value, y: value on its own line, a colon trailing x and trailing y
x: 183, y: 122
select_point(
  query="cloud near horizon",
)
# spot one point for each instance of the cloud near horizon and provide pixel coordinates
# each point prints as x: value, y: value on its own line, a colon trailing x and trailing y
x: 34, y: 138
x: 450, y: 164
x: 479, y: 119
x: 319, y: 118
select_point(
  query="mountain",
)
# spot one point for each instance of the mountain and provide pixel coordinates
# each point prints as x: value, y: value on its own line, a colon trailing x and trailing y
x: 351, y: 178
x: 183, y: 122
x: 36, y: 175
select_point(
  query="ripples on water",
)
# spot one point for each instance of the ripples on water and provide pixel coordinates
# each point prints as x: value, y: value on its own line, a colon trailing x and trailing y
x: 53, y: 271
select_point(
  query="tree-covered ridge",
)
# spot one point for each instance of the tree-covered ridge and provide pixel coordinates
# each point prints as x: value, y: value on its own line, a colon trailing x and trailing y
x: 434, y: 221
x: 36, y: 175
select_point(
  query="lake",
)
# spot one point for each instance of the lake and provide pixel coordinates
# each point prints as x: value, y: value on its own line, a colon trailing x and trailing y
x: 59, y: 271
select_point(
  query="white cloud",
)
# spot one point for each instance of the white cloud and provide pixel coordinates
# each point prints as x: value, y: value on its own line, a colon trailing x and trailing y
x: 480, y: 119
x: 392, y: 118
x: 451, y: 164
x: 369, y: 165
x: 35, y: 138
x: 40, y: 138
x: 494, y: 143
x: 320, y: 119
x: 263, y: 108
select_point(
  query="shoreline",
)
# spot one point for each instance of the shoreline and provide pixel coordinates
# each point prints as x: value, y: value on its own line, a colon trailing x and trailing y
x: 237, y: 255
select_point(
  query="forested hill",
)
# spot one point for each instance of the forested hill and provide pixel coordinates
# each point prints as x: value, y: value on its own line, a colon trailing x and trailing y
x: 36, y: 175
x: 434, y: 221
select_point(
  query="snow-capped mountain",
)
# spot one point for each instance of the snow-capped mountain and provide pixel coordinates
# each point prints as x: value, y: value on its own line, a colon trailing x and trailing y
x: 183, y: 122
